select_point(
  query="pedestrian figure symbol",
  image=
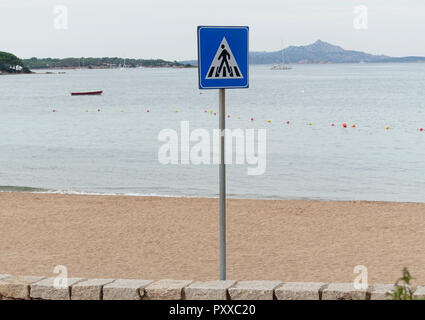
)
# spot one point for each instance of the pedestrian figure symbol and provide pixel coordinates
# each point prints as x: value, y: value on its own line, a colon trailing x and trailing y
x: 224, y: 65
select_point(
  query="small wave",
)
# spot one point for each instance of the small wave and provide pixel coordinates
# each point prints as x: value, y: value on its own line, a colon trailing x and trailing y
x: 90, y: 193
x: 127, y: 194
x: 21, y: 189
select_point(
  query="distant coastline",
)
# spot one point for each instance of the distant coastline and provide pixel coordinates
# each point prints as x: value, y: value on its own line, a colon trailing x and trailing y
x: 319, y: 52
x: 105, y: 68
x: 100, y: 63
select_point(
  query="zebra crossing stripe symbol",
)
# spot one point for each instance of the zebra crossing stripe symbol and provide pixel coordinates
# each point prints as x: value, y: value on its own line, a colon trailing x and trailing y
x: 224, y: 65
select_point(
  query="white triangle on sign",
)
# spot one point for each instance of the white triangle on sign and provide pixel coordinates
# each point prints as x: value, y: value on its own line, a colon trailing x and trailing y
x: 224, y: 65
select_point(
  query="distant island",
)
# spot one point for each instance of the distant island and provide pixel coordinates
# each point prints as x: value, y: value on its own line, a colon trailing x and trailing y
x: 318, y: 53
x: 100, y: 63
x: 11, y: 64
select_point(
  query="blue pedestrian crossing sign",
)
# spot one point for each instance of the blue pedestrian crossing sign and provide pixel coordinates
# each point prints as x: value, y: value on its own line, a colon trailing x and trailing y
x: 223, y: 61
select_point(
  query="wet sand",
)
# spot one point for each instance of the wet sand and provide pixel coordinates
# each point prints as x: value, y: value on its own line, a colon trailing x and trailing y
x: 155, y: 238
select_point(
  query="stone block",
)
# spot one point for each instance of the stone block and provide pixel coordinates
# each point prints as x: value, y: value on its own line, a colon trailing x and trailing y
x: 125, y: 289
x: 419, y: 293
x: 253, y: 290
x: 299, y: 291
x: 343, y: 291
x: 46, y: 289
x: 89, y: 289
x: 208, y: 290
x: 17, y: 287
x: 166, y: 290
x: 379, y: 291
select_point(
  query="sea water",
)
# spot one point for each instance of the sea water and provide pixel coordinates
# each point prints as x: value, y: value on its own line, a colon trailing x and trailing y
x: 115, y: 151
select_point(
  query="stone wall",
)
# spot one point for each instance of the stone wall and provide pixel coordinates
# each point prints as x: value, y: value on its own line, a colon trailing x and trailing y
x: 30, y: 287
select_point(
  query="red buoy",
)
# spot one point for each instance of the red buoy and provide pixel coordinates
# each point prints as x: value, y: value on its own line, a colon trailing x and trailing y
x: 332, y: 125
x: 287, y: 122
x: 344, y: 125
x: 421, y: 129
x: 252, y: 119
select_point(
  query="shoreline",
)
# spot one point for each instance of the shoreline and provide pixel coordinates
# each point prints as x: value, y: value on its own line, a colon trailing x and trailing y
x: 34, y: 190
x: 177, y: 238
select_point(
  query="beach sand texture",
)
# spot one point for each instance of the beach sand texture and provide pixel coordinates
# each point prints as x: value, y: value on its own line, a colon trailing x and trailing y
x: 177, y: 238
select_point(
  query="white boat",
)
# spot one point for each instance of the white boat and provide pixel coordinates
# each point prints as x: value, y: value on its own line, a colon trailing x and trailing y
x: 282, y: 65
x: 123, y: 66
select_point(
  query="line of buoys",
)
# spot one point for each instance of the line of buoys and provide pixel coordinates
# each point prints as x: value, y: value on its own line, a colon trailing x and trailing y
x: 344, y: 125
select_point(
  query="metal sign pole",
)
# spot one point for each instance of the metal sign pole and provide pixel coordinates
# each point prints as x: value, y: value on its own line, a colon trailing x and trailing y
x: 222, y: 100
x: 223, y: 63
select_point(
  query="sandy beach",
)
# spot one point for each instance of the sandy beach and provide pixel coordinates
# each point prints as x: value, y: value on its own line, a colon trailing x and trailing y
x: 155, y: 238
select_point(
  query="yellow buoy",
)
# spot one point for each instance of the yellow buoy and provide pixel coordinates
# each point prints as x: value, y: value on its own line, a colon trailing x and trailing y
x: 310, y: 124
x: 122, y: 110
x: 211, y: 111
x: 387, y: 127
x: 239, y: 117
x: 176, y: 110
x: 87, y: 110
x: 269, y: 121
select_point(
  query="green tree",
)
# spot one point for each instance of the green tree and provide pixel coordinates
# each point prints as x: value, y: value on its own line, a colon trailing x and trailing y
x: 8, y: 63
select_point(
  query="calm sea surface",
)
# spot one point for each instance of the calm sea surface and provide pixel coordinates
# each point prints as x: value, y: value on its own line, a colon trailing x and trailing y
x: 116, y: 152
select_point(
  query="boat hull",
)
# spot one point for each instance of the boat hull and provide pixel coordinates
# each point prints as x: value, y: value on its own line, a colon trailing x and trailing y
x: 90, y: 93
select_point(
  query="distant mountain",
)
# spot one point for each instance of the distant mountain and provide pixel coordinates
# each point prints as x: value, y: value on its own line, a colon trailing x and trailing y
x: 320, y: 52
x: 323, y: 52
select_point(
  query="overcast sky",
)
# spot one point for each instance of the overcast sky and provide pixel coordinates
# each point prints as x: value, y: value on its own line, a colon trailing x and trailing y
x: 167, y: 28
